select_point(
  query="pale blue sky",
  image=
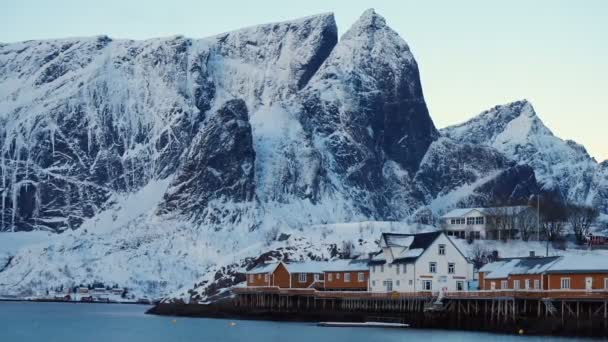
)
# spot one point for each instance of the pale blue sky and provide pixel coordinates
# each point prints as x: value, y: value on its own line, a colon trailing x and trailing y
x: 473, y: 54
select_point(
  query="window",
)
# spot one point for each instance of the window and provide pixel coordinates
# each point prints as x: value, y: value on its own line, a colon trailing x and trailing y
x: 470, y: 220
x: 460, y: 285
x: 374, y: 269
x: 329, y: 277
x: 266, y: 277
x: 410, y: 282
x: 504, y: 284
x: 390, y: 265
x: 479, y: 220
x: 360, y: 277
x: 493, y: 285
x: 373, y: 283
x: 381, y: 268
x: 316, y: 277
x: 302, y: 277
x: 477, y: 235
x: 516, y: 284
x: 251, y: 278
x: 346, y: 277
x: 427, y: 285
x: 537, y: 284
x: 404, y: 268
x: 441, y: 249
x: 606, y: 283
x: 453, y: 221
x: 565, y: 283
x: 398, y: 282
x: 432, y: 267
x: 398, y: 269
x: 259, y: 276
x: 338, y: 276
x: 451, y: 268
x: 527, y: 284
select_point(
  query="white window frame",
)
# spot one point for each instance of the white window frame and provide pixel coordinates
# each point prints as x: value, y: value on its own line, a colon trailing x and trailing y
x: 404, y: 268
x: 565, y: 283
x: 504, y: 284
x: 329, y: 277
x: 397, y: 269
x: 266, y: 277
x: 316, y: 277
x: 259, y: 276
x: 374, y: 269
x: 302, y: 277
x: 347, y: 277
x: 432, y: 267
x: 337, y: 276
x: 373, y: 283
x: 398, y: 282
x: 537, y: 284
x: 441, y: 249
x: 606, y: 283
x: 360, y: 277
x: 527, y: 284
x: 411, y: 282
x: 381, y: 268
x: 425, y: 283
x: 451, y: 267
x: 252, y: 278
x: 516, y: 284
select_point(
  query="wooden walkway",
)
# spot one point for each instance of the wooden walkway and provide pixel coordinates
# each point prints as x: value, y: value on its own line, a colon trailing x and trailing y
x: 495, y: 306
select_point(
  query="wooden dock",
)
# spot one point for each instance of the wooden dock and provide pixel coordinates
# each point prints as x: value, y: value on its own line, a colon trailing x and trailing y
x: 495, y: 306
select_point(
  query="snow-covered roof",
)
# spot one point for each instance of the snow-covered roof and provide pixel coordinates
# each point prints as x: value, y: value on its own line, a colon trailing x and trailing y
x: 503, y: 269
x: 411, y: 253
x: 264, y: 268
x: 580, y: 264
x: 508, y: 210
x: 346, y: 265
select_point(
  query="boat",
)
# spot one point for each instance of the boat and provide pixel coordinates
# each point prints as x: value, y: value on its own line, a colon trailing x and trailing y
x: 363, y: 325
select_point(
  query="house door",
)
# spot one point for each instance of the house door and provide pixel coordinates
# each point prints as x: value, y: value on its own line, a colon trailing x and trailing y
x: 389, y: 286
x: 588, y: 283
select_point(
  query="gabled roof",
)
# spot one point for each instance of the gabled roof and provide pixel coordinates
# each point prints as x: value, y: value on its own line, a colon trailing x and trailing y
x: 414, y: 244
x: 518, y: 266
x: 347, y: 265
x: 264, y: 268
x: 507, y: 210
x: 580, y: 264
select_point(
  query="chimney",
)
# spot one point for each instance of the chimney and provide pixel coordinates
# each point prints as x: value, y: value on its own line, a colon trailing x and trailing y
x: 532, y: 254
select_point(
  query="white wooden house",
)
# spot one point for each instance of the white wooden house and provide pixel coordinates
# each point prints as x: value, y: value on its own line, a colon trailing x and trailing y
x: 489, y: 223
x: 419, y: 262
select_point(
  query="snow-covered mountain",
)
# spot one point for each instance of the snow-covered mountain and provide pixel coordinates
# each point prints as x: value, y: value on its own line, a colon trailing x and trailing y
x: 172, y: 161
x: 561, y: 166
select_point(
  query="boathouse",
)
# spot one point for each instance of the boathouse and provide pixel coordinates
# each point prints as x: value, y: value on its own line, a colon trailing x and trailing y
x: 579, y: 272
x: 306, y: 274
x: 527, y: 273
x: 346, y: 275
x: 269, y: 274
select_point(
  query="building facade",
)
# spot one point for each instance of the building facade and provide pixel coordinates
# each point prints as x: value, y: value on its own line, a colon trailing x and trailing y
x: 346, y: 275
x: 270, y: 274
x: 497, y: 223
x: 419, y: 263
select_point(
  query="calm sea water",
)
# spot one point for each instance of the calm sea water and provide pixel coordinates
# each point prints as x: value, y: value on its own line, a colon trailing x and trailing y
x: 116, y: 323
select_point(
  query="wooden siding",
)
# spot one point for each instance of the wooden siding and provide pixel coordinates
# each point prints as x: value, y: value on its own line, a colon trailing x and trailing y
x: 310, y: 278
x: 280, y: 278
x: 577, y: 280
x: 340, y: 284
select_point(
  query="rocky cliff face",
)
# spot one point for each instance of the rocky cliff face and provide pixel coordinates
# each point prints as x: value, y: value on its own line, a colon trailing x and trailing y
x: 170, y: 161
x: 561, y: 166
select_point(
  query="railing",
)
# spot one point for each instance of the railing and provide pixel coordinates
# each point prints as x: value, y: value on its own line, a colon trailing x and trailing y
x: 483, y: 294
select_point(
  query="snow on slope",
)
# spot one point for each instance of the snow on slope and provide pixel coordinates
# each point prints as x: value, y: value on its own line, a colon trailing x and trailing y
x: 141, y: 152
x: 516, y: 130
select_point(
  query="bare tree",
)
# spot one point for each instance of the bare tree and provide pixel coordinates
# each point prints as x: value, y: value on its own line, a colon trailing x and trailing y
x: 580, y: 219
x: 479, y: 256
x: 527, y: 223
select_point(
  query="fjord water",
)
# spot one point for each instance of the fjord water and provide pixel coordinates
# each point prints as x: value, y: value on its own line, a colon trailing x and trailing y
x: 115, y: 322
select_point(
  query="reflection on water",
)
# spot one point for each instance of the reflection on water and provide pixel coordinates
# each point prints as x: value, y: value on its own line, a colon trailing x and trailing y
x: 63, y: 322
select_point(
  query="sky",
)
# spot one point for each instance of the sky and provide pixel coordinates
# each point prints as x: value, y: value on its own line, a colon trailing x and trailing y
x: 472, y: 54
